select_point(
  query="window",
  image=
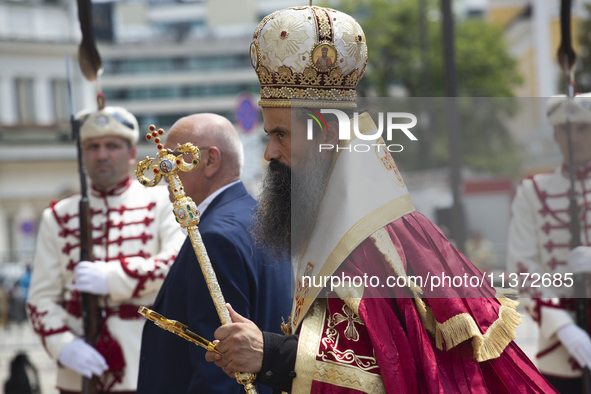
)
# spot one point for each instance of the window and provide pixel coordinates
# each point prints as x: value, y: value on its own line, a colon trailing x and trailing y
x: 25, y: 102
x: 160, y: 65
x: 175, y: 92
x: 61, y: 106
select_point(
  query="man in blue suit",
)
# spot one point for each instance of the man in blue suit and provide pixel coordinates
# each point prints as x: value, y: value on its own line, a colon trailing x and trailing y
x: 256, y: 286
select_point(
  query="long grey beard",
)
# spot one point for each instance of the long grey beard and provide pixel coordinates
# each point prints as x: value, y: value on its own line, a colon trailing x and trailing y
x: 308, y: 184
x: 289, y: 204
x: 271, y: 227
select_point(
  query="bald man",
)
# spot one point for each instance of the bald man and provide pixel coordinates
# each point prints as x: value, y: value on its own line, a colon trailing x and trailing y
x: 251, y: 282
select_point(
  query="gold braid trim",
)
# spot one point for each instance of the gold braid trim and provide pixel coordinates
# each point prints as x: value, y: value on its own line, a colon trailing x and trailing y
x: 347, y: 376
x: 461, y: 327
x: 384, y: 244
x: 292, y: 103
x: 308, y: 345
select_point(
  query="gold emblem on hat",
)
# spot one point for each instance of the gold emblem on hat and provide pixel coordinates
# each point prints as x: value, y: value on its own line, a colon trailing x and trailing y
x: 324, y: 56
x: 254, y: 54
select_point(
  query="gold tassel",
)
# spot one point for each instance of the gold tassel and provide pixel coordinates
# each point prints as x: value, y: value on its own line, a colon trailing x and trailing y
x: 426, y: 315
x: 488, y: 346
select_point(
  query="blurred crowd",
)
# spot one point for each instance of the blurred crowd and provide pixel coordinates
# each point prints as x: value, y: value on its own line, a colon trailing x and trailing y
x: 15, y: 279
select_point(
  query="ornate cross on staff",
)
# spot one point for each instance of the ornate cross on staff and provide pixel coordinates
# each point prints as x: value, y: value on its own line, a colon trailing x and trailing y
x: 187, y: 215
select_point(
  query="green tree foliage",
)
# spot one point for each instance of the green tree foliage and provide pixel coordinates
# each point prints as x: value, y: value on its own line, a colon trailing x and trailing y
x: 484, y: 69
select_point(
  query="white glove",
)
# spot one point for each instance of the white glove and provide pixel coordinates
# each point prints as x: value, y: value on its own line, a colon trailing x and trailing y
x: 577, y: 342
x: 83, y: 358
x: 579, y: 259
x: 91, y: 277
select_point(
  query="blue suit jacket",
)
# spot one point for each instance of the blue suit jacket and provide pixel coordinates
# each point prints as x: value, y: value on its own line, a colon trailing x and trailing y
x: 256, y: 287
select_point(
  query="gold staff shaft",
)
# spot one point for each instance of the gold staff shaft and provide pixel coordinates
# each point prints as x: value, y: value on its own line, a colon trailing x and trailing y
x: 246, y: 379
x: 209, y: 275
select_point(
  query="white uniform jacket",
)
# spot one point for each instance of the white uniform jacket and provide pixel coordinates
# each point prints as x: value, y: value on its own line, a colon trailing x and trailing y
x: 539, y: 242
x: 134, y: 230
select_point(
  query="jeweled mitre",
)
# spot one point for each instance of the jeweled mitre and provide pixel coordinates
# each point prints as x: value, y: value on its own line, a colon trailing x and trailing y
x: 308, y: 57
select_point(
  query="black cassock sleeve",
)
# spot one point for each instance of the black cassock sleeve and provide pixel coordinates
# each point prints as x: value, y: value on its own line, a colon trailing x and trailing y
x: 279, y: 356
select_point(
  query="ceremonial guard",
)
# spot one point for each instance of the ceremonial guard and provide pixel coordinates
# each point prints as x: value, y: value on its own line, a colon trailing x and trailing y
x: 540, y: 246
x: 353, y: 218
x: 135, y: 241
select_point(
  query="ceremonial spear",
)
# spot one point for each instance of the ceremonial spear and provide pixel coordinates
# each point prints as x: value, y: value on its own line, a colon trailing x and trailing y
x: 566, y: 60
x: 91, y: 314
x: 91, y: 67
x: 187, y: 215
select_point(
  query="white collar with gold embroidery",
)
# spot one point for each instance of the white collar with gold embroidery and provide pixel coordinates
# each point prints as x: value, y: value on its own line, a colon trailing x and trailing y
x: 364, y: 193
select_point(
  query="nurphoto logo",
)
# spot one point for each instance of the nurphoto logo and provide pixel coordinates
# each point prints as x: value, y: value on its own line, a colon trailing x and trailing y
x: 345, y: 128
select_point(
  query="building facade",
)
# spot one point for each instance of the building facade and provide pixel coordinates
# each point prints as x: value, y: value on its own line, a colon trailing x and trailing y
x: 162, y: 60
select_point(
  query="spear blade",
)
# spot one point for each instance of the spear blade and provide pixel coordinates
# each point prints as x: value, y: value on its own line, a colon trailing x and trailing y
x: 88, y: 56
x: 566, y: 54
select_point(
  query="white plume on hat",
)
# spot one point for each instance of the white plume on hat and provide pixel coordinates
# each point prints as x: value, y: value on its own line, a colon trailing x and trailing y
x: 579, y: 109
x: 109, y: 121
